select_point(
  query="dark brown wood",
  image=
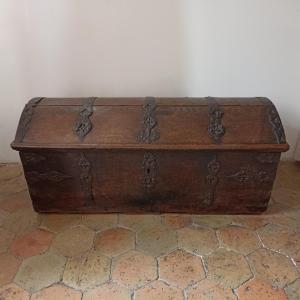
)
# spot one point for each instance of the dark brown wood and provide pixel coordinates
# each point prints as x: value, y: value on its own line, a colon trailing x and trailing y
x: 26, y: 118
x: 185, y: 155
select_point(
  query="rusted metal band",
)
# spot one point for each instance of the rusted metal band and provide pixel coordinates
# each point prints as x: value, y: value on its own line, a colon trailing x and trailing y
x: 245, y: 175
x: 86, y: 179
x: 52, y: 176
x: 267, y: 157
x: 83, y: 123
x: 276, y: 124
x: 149, y: 132
x: 30, y: 158
x: 212, y: 179
x: 25, y: 119
x: 216, y: 130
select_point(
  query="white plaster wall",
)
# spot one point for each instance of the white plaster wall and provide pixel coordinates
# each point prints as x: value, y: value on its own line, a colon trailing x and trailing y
x: 148, y: 47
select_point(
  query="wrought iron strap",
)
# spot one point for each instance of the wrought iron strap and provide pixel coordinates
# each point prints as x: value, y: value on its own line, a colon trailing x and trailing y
x: 215, y: 129
x: 150, y: 170
x: 267, y: 157
x: 86, y: 179
x: 212, y: 180
x: 276, y: 124
x: 52, y: 176
x: 149, y: 132
x: 26, y: 118
x: 83, y: 123
x: 31, y: 158
x: 246, y: 175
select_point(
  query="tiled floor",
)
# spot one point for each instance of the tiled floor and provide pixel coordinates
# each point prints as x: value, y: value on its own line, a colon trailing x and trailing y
x: 143, y: 257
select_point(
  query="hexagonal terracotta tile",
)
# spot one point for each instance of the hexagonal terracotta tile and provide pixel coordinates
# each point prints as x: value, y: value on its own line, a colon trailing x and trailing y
x: 285, y: 221
x: 197, y: 240
x: 258, y: 289
x: 239, y: 239
x: 13, y: 292
x: 100, y: 222
x: 158, y: 290
x: 59, y: 222
x: 40, y: 271
x: 87, y: 271
x: 280, y: 238
x: 274, y: 209
x: 293, y: 290
x: 296, y: 257
x: 22, y: 221
x: 13, y: 185
x: 139, y: 222
x: 8, y: 171
x: 108, y: 291
x: 157, y: 240
x: 252, y: 222
x: 74, y: 241
x: 134, y: 269
x: 289, y: 173
x: 32, y: 243
x: 181, y: 269
x: 57, y: 292
x: 115, y: 241
x: 293, y: 213
x: 273, y: 267
x: 18, y: 201
x: 213, y: 221
x: 9, y: 266
x: 289, y: 197
x: 3, y: 216
x: 6, y: 237
x: 228, y: 268
x: 209, y: 289
x: 177, y: 221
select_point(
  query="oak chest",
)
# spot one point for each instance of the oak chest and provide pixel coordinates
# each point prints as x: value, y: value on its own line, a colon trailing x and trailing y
x: 186, y: 155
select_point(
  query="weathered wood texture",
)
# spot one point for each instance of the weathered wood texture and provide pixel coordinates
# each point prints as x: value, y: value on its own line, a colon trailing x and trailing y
x: 187, y: 155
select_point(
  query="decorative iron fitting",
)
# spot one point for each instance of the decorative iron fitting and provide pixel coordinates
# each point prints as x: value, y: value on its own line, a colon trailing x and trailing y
x: 83, y: 124
x: 26, y: 118
x: 52, y: 176
x: 150, y: 171
x: 267, y: 157
x: 149, y: 132
x: 246, y: 175
x: 31, y: 158
x: 276, y: 124
x: 212, y: 180
x: 215, y: 129
x: 86, y: 179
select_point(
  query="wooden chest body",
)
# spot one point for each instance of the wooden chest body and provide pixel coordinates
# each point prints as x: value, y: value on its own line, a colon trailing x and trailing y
x: 186, y: 155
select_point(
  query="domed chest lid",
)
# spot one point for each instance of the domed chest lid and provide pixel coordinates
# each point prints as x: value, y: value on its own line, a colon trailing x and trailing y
x: 151, y: 123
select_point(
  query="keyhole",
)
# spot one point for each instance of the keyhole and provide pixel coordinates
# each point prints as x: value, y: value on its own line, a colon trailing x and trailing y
x: 148, y: 170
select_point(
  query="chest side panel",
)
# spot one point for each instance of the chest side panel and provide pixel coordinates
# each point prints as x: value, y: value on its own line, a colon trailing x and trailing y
x: 55, y: 180
x: 150, y: 181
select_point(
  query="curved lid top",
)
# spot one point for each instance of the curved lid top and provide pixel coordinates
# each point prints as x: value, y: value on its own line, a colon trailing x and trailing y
x: 150, y: 123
